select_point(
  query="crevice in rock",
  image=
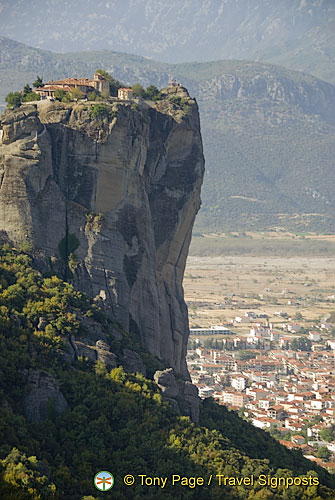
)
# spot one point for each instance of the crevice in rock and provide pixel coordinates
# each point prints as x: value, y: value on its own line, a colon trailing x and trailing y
x: 109, y: 295
x: 2, y: 176
x: 73, y: 347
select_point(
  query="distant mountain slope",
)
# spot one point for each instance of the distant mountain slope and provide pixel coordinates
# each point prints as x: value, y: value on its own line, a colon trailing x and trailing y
x: 269, y: 140
x: 295, y: 33
x: 268, y: 132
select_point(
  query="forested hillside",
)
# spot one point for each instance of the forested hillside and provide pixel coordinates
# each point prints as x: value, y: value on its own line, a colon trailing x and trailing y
x: 64, y: 419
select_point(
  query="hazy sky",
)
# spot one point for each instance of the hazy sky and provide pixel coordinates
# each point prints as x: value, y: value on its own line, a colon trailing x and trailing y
x: 173, y: 31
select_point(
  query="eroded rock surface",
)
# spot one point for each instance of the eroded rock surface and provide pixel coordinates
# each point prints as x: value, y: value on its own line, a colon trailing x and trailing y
x: 166, y: 381
x: 187, y: 400
x: 132, y: 362
x: 118, y: 196
x: 190, y: 405
x: 42, y: 396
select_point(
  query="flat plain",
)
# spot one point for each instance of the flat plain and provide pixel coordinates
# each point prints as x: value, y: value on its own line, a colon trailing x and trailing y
x: 287, y: 277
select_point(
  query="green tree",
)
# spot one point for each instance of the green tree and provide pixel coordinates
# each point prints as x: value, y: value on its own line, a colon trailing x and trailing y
x: 75, y: 94
x: 31, y: 96
x: 327, y: 434
x: 246, y: 355
x: 13, y: 99
x: 99, y: 112
x: 316, y: 419
x: 323, y: 453
x: 23, y: 472
x: 301, y: 344
x: 241, y: 411
x: 104, y: 94
x: 100, y: 368
x: 152, y: 93
x: 38, y: 82
x: 59, y: 94
x: 26, y: 89
x: 263, y: 494
x: 208, y: 343
x: 91, y: 96
x: 138, y: 90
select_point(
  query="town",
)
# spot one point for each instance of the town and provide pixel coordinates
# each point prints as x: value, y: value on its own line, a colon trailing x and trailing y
x: 269, y: 362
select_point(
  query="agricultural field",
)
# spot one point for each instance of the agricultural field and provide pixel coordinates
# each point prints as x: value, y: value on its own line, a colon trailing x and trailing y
x: 267, y: 273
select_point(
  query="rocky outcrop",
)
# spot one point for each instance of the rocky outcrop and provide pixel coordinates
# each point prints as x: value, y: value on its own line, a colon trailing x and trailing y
x: 93, y: 346
x: 43, y: 397
x: 110, y: 202
x: 132, y: 362
x: 190, y: 401
x: 98, y: 352
x: 181, y: 394
x: 166, y: 381
x: 104, y: 354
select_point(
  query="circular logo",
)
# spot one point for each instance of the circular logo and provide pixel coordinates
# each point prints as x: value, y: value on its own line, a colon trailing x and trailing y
x: 104, y: 480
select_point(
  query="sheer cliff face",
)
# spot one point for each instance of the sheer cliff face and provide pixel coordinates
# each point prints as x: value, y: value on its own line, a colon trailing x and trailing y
x: 114, y: 199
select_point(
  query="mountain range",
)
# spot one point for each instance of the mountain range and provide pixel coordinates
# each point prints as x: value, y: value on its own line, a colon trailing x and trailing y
x: 298, y: 34
x: 268, y: 131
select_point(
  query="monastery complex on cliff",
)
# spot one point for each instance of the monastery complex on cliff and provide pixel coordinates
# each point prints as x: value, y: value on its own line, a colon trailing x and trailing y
x: 85, y: 85
x: 98, y: 83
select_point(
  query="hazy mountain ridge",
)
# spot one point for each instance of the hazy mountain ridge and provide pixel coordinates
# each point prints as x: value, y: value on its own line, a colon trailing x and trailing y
x: 294, y: 33
x: 212, y: 80
x: 268, y: 131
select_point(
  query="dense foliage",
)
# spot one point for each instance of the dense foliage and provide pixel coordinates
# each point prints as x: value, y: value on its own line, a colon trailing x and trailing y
x: 14, y: 99
x: 99, y: 112
x: 38, y: 83
x: 301, y: 344
x: 151, y: 93
x: 115, y: 420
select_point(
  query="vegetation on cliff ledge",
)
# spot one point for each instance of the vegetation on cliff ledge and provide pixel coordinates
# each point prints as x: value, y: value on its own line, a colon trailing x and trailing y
x: 114, y: 420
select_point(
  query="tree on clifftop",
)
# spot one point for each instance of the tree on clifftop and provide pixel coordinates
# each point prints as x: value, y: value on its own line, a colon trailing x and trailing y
x: 27, y: 89
x: 152, y: 93
x: 28, y: 95
x: 75, y: 94
x: 38, y: 82
x: 59, y: 94
x: 138, y: 90
x: 14, y: 99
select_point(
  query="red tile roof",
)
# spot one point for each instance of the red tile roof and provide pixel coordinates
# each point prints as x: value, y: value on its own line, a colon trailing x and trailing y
x: 52, y: 88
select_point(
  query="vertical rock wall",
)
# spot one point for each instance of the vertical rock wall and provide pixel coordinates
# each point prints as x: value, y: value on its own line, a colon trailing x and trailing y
x: 116, y: 197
